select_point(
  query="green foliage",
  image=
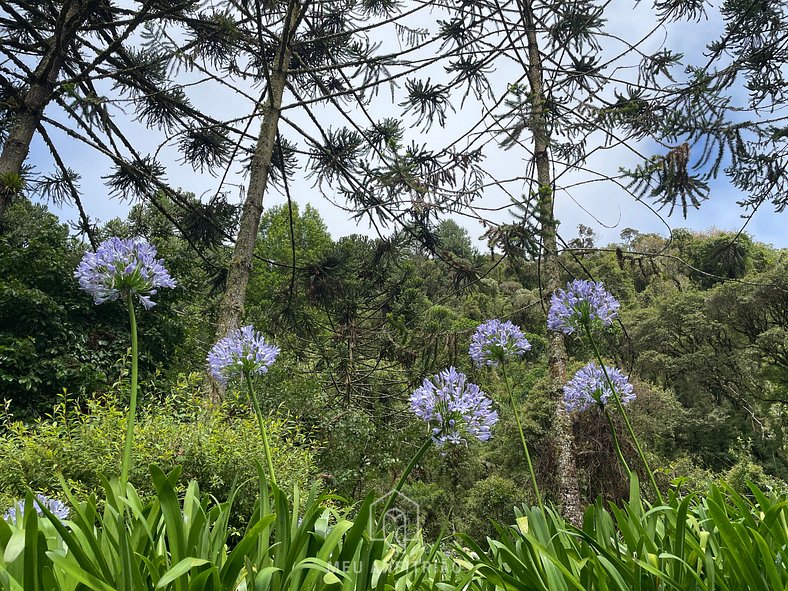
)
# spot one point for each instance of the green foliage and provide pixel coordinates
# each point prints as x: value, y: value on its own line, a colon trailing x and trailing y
x: 658, y: 417
x: 748, y: 471
x: 719, y: 540
x: 289, y: 544
x: 11, y: 183
x: 216, y: 447
x: 719, y: 351
x: 180, y: 325
x: 52, y: 336
x: 721, y: 257
x: 45, y: 341
x: 347, y: 442
x: 371, y: 320
x: 433, y: 504
x: 367, y: 321
x: 488, y: 502
x: 285, y: 244
x: 455, y: 239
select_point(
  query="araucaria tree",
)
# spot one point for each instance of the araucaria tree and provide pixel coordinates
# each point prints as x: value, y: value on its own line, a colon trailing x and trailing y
x: 564, y: 83
x: 66, y: 67
x: 302, y: 65
x: 309, y: 72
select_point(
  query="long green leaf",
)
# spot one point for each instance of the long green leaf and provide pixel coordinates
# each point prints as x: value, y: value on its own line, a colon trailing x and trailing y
x: 79, y: 574
x: 180, y: 569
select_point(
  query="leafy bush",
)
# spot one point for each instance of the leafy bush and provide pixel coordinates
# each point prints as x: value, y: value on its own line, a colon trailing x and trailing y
x: 52, y: 336
x: 490, y: 500
x: 746, y: 471
x: 350, y: 449
x: 432, y: 502
x: 217, y: 447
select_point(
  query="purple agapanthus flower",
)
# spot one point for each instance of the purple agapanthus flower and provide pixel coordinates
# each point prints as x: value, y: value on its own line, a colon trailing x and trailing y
x: 16, y: 513
x: 122, y: 267
x: 589, y: 388
x: 454, y: 408
x: 243, y: 350
x: 581, y: 303
x: 495, y: 342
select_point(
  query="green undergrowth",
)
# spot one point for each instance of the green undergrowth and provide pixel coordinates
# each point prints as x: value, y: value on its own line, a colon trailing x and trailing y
x: 178, y: 539
x: 719, y: 540
x: 215, y: 446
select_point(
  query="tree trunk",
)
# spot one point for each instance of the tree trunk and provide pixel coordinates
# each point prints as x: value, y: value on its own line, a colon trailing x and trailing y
x: 38, y: 95
x: 551, y: 278
x: 231, y: 308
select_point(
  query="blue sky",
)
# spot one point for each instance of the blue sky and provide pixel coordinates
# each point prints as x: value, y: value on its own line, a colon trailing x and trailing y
x: 605, y: 210
x: 602, y: 206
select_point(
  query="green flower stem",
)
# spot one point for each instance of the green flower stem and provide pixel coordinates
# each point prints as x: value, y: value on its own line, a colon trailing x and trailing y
x: 124, y: 472
x: 624, y: 414
x: 408, y: 469
x: 522, y: 436
x: 616, y: 443
x: 263, y: 430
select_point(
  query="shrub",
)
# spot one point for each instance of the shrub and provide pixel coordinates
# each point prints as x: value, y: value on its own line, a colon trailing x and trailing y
x: 491, y: 499
x: 352, y: 450
x: 747, y: 471
x: 432, y: 502
x: 217, y: 447
x: 52, y: 336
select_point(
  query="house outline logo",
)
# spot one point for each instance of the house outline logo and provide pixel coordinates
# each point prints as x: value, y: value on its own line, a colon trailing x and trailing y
x: 400, y: 521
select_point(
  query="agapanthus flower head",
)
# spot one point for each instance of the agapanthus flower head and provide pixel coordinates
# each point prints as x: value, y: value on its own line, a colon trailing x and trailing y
x: 496, y: 342
x: 454, y: 407
x: 589, y: 388
x: 242, y: 351
x: 122, y: 267
x: 16, y: 513
x: 582, y: 303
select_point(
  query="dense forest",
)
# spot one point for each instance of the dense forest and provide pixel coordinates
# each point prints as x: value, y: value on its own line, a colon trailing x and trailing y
x: 360, y: 322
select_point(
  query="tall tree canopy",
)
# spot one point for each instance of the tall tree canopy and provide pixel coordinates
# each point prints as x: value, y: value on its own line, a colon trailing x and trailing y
x: 561, y: 86
x: 70, y: 68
